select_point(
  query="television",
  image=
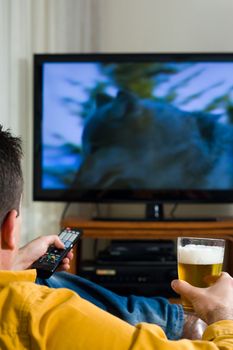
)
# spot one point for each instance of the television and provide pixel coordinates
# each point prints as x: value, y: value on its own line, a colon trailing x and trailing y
x: 147, y: 128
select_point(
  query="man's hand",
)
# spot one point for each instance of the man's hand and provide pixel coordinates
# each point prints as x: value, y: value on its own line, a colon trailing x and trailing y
x: 211, y: 304
x: 36, y: 248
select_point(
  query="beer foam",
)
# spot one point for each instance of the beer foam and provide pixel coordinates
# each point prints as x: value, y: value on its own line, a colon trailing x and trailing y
x: 200, y: 254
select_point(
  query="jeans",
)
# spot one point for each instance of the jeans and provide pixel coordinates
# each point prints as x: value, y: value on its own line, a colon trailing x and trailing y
x: 132, y: 309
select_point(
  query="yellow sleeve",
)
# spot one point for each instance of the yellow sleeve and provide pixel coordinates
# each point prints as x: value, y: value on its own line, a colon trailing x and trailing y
x: 60, y: 319
x: 218, y: 336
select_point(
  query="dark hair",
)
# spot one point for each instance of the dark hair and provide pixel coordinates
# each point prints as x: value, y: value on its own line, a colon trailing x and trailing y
x: 11, y: 178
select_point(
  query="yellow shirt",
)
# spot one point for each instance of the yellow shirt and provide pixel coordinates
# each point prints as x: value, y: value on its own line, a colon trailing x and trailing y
x: 36, y: 317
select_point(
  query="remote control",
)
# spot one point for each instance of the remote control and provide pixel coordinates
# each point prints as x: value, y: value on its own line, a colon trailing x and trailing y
x: 49, y: 262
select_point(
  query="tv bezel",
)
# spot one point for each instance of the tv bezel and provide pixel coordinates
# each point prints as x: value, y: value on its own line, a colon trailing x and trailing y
x: 114, y: 196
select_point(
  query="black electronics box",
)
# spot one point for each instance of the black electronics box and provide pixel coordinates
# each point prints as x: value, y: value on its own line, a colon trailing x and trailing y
x: 138, y: 250
x: 134, y: 267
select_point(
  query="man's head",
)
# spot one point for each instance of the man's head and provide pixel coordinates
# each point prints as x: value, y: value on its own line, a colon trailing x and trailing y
x: 11, y: 186
x: 11, y: 179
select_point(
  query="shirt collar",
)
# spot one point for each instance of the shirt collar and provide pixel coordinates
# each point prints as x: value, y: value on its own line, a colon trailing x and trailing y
x: 7, y: 277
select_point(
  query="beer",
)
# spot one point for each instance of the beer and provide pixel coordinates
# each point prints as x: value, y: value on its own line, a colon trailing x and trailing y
x: 199, y: 265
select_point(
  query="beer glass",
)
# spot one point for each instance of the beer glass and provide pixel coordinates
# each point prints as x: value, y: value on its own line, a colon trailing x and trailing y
x: 200, y: 262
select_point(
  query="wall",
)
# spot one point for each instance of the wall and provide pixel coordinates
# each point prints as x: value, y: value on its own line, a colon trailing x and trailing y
x: 165, y: 25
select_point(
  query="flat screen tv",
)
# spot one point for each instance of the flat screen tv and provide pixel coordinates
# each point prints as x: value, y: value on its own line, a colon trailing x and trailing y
x: 145, y: 127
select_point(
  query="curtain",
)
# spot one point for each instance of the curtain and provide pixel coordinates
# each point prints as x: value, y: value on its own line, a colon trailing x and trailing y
x: 28, y: 27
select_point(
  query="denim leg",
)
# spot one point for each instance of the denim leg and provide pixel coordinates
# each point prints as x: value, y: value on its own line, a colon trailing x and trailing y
x: 132, y: 309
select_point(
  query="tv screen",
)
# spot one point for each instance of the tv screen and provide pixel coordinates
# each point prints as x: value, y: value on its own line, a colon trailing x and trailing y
x: 133, y: 127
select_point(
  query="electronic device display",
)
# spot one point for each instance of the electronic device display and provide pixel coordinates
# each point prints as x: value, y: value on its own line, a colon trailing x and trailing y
x: 49, y: 262
x: 133, y: 127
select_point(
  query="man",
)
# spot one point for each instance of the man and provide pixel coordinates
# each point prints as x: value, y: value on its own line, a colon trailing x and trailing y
x: 37, y: 317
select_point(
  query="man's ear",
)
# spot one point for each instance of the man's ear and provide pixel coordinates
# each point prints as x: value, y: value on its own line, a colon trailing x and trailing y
x: 8, y: 231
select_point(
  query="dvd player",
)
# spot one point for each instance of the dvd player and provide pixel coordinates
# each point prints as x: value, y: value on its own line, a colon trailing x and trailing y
x: 132, y: 277
x: 138, y: 250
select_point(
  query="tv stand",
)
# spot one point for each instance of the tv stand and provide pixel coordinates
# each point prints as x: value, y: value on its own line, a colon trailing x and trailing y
x: 190, y: 219
x: 154, y: 211
x: 102, y: 229
x: 130, y: 219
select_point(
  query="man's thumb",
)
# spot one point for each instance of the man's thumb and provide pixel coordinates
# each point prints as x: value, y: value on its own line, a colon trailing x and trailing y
x: 54, y: 239
x: 185, y: 289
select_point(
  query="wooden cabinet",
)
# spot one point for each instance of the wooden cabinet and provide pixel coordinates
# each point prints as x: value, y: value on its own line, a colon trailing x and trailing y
x: 155, y: 230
